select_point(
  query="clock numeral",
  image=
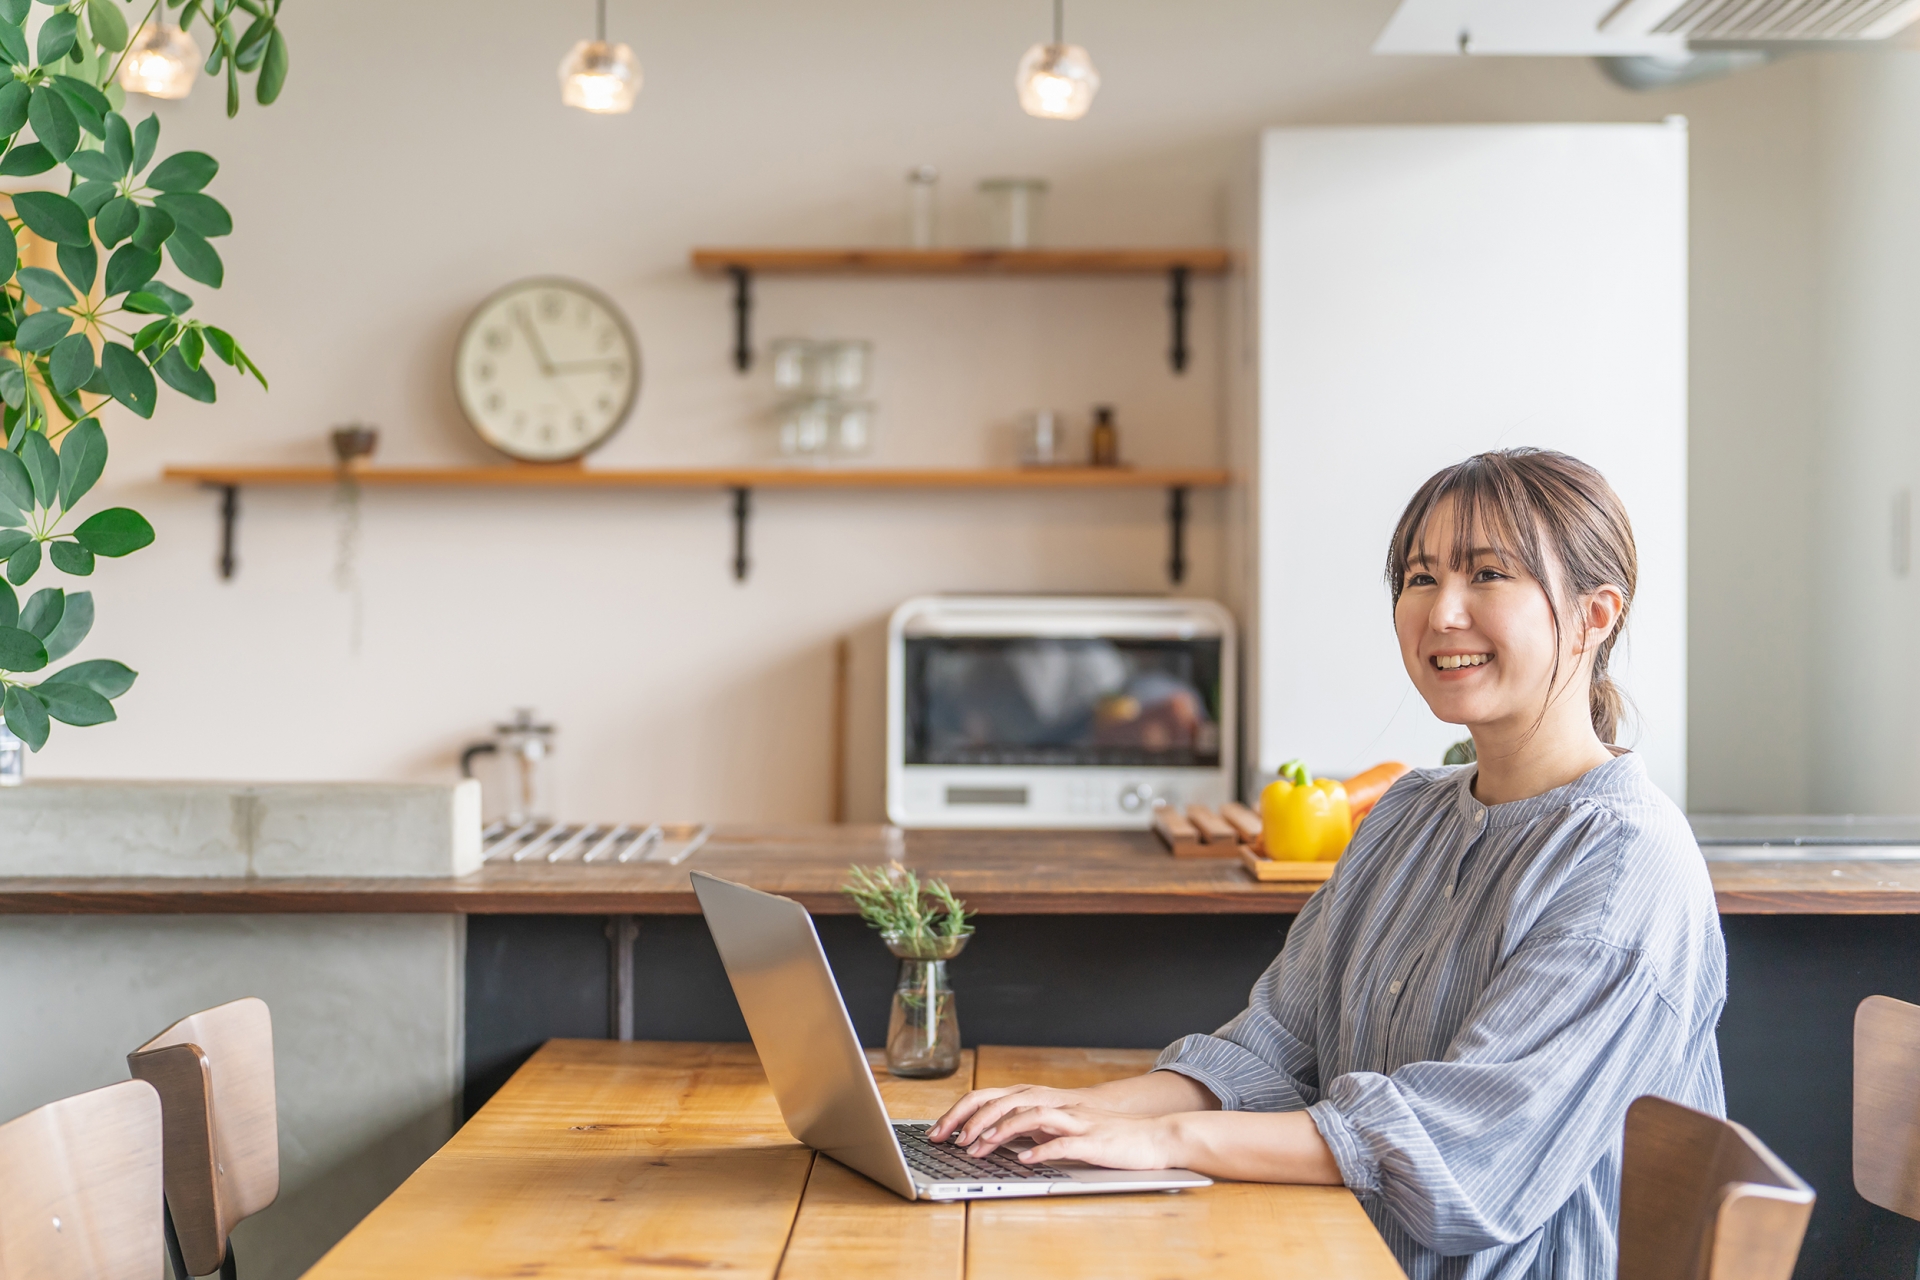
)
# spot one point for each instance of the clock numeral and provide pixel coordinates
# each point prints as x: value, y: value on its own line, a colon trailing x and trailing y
x: 497, y: 339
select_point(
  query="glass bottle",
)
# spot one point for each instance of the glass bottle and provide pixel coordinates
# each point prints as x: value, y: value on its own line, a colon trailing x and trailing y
x: 13, y: 759
x: 923, y: 206
x: 923, y: 1035
x: 1104, y: 446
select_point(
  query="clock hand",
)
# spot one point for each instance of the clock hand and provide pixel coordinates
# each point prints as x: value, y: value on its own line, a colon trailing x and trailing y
x: 576, y: 366
x: 533, y: 340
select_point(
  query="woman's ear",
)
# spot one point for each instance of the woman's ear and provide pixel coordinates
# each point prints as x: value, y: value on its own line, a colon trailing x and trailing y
x: 1600, y: 611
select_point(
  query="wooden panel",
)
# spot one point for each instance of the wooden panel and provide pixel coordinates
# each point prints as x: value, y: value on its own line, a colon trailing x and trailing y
x: 1886, y: 1104
x: 1222, y: 1232
x: 884, y: 261
x: 851, y: 1228
x: 558, y: 476
x: 80, y: 1188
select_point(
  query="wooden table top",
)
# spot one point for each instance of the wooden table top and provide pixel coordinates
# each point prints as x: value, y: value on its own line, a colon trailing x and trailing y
x: 663, y: 1160
x: 996, y: 872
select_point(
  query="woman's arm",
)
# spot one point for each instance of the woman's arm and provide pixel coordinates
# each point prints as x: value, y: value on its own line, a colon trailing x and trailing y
x: 1241, y: 1145
x: 1157, y: 1093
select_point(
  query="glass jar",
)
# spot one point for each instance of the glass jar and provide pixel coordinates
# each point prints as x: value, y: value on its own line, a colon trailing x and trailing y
x: 923, y: 206
x: 13, y: 759
x: 923, y: 1035
x: 1012, y: 208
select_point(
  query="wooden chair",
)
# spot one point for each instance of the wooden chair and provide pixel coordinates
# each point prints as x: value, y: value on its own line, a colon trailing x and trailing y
x: 1886, y: 1104
x: 214, y: 1073
x: 1701, y: 1198
x: 80, y: 1188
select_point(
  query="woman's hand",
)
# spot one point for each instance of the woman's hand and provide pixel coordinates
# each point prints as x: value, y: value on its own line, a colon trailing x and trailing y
x: 1110, y: 1139
x: 981, y: 1109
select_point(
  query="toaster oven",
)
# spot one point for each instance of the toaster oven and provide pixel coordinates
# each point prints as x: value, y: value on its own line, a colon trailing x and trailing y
x: 1024, y: 711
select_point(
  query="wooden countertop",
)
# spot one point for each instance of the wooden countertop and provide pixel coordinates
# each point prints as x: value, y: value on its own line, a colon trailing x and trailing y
x: 997, y: 872
x: 652, y: 1159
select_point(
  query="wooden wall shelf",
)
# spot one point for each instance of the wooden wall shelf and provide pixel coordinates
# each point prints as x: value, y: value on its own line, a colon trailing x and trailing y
x: 1178, y: 265
x: 740, y: 481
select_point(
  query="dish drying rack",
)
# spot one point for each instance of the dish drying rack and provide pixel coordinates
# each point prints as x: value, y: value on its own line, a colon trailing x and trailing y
x: 596, y: 843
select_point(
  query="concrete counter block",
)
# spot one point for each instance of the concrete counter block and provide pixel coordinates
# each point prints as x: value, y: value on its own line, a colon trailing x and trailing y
x: 76, y: 828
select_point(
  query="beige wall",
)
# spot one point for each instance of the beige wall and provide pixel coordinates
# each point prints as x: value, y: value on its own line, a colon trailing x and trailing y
x: 420, y: 158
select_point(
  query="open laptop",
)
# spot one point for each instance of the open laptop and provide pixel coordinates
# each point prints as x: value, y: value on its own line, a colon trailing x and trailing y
x: 820, y: 1075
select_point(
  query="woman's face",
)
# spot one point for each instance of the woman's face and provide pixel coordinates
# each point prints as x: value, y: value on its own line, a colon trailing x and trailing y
x: 1478, y: 640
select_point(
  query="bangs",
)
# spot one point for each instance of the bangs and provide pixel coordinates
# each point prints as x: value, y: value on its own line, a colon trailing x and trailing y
x: 1493, y: 509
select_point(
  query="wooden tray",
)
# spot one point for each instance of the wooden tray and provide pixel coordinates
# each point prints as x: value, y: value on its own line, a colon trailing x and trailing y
x: 1267, y: 869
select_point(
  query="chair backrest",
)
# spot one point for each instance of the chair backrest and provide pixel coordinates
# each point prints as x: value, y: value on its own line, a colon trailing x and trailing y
x: 214, y: 1073
x: 1886, y: 1104
x: 80, y: 1188
x: 1701, y: 1198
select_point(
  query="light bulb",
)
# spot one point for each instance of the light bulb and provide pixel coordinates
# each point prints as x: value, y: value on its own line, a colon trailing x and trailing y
x: 160, y: 63
x: 1057, y: 81
x: 599, y: 77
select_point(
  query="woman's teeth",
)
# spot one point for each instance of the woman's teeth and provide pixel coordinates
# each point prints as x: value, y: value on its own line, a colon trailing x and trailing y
x: 1449, y: 661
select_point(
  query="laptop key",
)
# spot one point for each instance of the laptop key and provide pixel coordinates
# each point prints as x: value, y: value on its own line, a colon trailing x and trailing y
x: 947, y: 1163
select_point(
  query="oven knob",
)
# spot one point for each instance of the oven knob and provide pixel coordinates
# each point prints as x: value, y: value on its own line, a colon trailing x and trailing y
x: 1137, y: 798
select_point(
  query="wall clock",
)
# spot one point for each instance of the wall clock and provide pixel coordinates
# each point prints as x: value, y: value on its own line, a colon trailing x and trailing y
x: 547, y: 370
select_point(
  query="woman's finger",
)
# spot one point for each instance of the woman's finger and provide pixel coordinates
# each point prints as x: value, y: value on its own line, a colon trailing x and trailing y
x: 958, y: 1113
x: 1066, y: 1147
x: 1025, y: 1120
x: 990, y: 1115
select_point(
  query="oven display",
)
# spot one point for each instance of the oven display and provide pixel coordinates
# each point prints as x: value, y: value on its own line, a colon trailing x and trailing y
x: 998, y: 700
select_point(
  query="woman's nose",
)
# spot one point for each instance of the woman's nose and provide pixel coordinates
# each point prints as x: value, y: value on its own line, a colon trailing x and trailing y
x: 1450, y: 610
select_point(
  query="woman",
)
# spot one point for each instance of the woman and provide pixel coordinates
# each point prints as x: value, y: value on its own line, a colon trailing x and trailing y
x: 1509, y: 953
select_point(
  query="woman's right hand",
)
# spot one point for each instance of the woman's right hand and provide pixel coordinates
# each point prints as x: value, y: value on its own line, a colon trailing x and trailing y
x: 976, y: 1113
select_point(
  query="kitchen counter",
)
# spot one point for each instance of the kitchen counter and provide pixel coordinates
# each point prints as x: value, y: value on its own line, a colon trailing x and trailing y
x: 998, y: 873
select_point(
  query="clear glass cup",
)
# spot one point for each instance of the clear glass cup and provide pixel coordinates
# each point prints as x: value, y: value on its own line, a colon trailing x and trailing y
x: 13, y: 759
x: 806, y: 427
x: 852, y: 435
x: 923, y: 206
x: 923, y: 1035
x: 791, y: 362
x: 844, y: 367
x: 1012, y: 207
x: 1043, y: 438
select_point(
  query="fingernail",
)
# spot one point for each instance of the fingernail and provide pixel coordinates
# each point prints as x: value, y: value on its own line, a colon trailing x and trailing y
x: 989, y: 1133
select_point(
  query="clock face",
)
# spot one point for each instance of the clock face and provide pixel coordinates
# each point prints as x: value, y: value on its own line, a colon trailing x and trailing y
x: 547, y: 370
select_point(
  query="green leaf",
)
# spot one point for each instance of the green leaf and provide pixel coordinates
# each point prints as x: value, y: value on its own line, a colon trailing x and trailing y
x: 80, y: 265
x: 187, y: 14
x: 9, y: 606
x: 26, y: 715
x: 26, y: 159
x: 273, y: 70
x: 41, y: 330
x: 146, y: 135
x: 11, y: 540
x: 119, y: 142
x: 193, y: 346
x: 46, y: 288
x: 56, y: 37
x: 52, y: 216
x: 51, y: 117
x: 43, y: 612
x: 183, y: 171
x: 117, y: 531
x: 196, y: 258
x: 128, y: 379
x: 74, y: 704
x: 89, y: 105
x: 74, y: 623
x: 43, y: 465
x: 83, y: 456
x: 13, y: 389
x: 9, y: 258
x: 223, y: 345
x: 96, y: 165
x: 159, y: 333
x: 116, y: 220
x: 233, y: 91
x: 194, y: 383
x: 253, y: 44
x: 129, y: 268
x: 155, y: 226
x: 92, y: 196
x: 198, y: 213
x: 13, y: 97
x: 104, y: 676
x: 108, y: 23
x: 71, y: 365
x: 13, y: 47
x: 23, y: 564
x: 70, y: 557
x: 169, y: 299
x: 22, y: 651
x: 10, y: 519
x: 14, y: 11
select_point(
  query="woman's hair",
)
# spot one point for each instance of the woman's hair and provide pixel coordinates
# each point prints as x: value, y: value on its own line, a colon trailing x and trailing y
x: 1549, y: 512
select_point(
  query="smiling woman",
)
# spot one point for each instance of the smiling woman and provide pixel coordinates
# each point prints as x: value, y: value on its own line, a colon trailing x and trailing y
x: 1507, y: 955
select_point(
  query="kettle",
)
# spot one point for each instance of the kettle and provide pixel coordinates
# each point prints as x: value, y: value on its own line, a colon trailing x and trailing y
x: 525, y: 747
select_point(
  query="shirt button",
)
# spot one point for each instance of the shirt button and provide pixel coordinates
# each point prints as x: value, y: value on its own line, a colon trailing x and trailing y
x: 1393, y: 988
x: 1448, y: 891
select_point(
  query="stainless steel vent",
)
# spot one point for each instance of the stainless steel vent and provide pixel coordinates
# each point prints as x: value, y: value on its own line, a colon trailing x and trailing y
x: 1762, y: 20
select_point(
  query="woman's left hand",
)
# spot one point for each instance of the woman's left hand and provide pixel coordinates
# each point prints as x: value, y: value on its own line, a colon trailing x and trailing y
x: 1110, y: 1139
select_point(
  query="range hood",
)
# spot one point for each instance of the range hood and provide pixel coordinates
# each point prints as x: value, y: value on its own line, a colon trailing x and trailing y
x: 1664, y: 29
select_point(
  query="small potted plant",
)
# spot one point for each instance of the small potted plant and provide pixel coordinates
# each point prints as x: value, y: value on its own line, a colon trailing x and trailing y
x: 924, y: 925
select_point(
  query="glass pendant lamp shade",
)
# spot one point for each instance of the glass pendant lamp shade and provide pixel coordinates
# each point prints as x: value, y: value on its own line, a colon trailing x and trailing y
x: 1057, y: 81
x: 161, y: 62
x: 599, y: 77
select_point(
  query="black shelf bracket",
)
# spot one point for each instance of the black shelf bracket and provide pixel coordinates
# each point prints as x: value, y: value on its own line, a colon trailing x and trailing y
x: 1177, y: 307
x: 742, y: 318
x: 1177, y: 533
x: 229, y: 523
x: 742, y: 510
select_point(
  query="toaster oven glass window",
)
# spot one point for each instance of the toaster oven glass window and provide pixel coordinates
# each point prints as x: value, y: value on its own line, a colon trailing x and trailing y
x: 997, y: 700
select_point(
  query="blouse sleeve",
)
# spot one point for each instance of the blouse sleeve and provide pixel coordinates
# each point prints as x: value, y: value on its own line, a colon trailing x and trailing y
x: 1264, y: 1060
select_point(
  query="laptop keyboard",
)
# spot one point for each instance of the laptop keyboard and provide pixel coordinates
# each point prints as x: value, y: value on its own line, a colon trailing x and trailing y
x: 944, y: 1162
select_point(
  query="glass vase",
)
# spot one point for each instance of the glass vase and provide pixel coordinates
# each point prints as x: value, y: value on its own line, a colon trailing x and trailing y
x: 923, y: 1035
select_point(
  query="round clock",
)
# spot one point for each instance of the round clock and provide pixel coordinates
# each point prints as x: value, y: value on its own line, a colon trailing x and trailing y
x: 547, y: 370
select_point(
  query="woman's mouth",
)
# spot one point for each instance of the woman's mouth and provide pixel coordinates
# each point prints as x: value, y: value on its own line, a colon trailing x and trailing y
x: 1454, y: 661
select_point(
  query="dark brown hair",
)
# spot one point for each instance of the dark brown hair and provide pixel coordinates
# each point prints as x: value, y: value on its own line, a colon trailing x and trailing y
x: 1553, y: 514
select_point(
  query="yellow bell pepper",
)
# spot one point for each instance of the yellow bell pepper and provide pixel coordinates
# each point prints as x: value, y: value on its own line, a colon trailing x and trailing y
x: 1303, y: 819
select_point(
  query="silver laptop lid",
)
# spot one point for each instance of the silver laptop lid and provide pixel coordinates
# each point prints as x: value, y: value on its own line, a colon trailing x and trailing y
x: 800, y: 1028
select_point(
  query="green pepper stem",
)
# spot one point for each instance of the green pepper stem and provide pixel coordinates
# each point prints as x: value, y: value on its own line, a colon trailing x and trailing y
x: 1295, y: 771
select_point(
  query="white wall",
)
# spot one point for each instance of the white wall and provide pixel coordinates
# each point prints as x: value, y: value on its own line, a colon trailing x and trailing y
x: 420, y: 158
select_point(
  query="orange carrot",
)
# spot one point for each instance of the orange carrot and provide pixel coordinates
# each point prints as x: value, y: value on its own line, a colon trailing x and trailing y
x: 1364, y: 789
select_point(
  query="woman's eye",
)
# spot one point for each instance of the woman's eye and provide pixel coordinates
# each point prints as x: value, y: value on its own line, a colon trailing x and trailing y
x: 1489, y: 575
x: 1419, y: 580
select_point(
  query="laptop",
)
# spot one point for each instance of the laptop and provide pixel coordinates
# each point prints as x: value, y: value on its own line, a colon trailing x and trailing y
x: 820, y: 1075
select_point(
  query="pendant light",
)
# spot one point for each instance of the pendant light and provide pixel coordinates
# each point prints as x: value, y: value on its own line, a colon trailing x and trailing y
x: 162, y: 62
x: 1057, y: 81
x: 599, y: 77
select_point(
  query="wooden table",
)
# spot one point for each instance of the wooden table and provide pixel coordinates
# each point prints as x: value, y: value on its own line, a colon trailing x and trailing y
x: 668, y: 1160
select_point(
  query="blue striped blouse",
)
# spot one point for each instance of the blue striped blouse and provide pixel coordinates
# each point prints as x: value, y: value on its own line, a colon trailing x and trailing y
x: 1468, y: 1006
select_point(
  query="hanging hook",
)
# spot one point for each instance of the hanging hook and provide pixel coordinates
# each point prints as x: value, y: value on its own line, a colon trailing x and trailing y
x: 600, y: 21
x: 1059, y: 21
